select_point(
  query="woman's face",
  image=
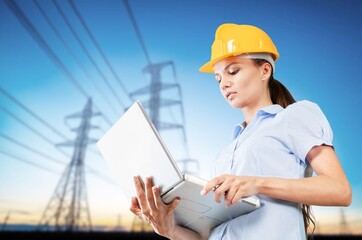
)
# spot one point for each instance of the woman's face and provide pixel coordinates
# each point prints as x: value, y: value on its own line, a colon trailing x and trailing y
x: 241, y: 81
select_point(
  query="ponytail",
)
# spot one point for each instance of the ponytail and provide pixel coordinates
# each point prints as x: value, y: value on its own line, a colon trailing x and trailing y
x: 308, y: 219
x: 279, y: 94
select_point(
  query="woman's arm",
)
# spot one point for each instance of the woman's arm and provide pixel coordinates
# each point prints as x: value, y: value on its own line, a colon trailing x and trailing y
x: 148, y: 204
x: 181, y: 233
x: 329, y: 188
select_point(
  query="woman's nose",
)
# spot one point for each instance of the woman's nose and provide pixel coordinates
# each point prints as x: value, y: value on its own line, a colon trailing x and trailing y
x: 224, y: 84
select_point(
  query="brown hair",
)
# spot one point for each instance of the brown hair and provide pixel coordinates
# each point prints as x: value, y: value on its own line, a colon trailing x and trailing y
x: 279, y: 94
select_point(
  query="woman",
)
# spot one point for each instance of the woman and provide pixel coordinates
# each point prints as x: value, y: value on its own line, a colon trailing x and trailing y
x: 273, y: 153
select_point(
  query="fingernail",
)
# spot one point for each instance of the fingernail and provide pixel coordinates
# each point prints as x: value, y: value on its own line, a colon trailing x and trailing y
x: 154, y: 189
x: 203, y: 192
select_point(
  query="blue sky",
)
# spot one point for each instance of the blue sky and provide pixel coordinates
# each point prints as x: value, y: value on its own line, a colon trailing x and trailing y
x: 319, y: 44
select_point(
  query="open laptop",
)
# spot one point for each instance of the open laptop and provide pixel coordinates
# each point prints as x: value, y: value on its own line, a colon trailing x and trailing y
x: 133, y: 147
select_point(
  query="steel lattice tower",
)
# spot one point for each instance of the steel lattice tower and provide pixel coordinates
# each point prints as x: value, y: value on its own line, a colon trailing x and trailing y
x: 343, y: 225
x: 155, y: 102
x: 154, y: 89
x: 68, y: 208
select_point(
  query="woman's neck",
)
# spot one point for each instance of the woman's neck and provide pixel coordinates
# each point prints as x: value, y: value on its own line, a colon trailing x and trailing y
x: 250, y: 110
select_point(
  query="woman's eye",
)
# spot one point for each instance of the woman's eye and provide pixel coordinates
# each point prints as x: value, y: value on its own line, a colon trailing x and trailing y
x: 233, y: 71
x: 218, y: 78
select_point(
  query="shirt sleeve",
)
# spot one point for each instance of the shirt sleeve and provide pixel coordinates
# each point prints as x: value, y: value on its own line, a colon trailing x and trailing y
x: 306, y: 127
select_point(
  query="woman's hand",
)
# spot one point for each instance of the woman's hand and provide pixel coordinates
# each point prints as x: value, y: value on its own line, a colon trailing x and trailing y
x: 233, y: 187
x: 148, y: 204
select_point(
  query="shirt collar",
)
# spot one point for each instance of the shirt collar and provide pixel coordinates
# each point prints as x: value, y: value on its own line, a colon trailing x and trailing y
x: 269, y: 110
x: 237, y: 129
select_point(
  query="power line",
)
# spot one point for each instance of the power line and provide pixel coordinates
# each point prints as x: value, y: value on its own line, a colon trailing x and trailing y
x: 30, y: 148
x: 28, y: 126
x: 95, y: 172
x: 68, y: 208
x: 81, y: 19
x: 138, y: 32
x: 35, y: 34
x: 28, y: 162
x: 31, y: 112
x: 156, y: 86
x: 38, y: 38
x: 41, y: 42
x: 39, y: 134
x: 76, y: 59
x: 87, y: 53
x: 90, y: 170
x: 34, y: 115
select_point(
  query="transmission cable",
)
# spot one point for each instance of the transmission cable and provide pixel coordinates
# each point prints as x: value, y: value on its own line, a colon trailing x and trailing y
x: 138, y: 32
x: 76, y: 59
x: 31, y: 112
x: 49, y: 141
x: 81, y: 19
x: 39, y: 39
x: 87, y: 53
x: 27, y: 162
x: 30, y: 148
x: 32, y: 129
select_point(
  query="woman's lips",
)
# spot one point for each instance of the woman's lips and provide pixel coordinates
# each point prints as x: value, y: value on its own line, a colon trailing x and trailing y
x: 229, y: 95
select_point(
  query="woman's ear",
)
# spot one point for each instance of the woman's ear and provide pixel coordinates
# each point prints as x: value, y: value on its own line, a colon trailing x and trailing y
x: 266, y: 71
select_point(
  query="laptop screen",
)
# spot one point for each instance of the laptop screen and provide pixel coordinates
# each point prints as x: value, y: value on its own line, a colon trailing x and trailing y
x: 133, y: 147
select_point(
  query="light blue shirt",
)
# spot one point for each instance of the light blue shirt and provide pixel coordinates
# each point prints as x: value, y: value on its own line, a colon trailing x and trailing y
x: 274, y: 144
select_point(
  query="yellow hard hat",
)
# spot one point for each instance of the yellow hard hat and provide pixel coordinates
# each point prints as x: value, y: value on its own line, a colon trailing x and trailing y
x: 233, y: 39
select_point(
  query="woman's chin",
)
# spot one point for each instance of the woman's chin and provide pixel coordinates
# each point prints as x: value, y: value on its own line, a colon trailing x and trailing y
x: 235, y: 104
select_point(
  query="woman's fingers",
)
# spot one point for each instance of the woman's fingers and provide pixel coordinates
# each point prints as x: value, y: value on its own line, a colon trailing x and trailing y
x: 220, y: 191
x: 148, y: 202
x: 142, y: 201
x: 160, y: 204
x: 230, y: 197
x: 233, y: 188
x: 173, y: 204
x: 157, y: 197
x: 149, y: 206
x: 238, y: 195
x: 218, y: 186
x: 135, y: 208
x: 149, y: 194
x: 213, y: 184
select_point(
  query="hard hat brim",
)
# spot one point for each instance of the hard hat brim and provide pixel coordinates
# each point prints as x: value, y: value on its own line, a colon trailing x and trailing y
x: 233, y: 39
x: 209, y: 66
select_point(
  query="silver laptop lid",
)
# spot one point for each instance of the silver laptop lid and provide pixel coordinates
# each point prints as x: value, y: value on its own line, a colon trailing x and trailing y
x: 132, y: 147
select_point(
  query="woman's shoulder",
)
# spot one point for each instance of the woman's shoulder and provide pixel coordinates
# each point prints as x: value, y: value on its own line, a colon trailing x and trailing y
x: 304, y: 110
x: 303, y: 104
x: 305, y: 126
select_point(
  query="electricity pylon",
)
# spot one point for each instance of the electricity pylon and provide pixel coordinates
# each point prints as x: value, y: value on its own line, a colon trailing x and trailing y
x: 156, y: 101
x: 343, y: 225
x: 68, y: 208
